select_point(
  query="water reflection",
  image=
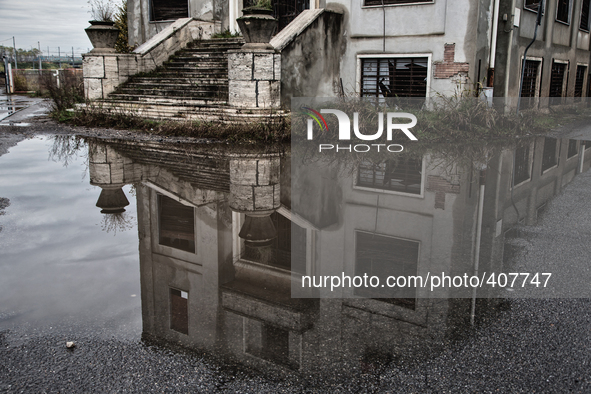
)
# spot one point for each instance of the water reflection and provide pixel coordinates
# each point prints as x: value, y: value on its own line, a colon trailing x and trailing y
x: 225, y: 236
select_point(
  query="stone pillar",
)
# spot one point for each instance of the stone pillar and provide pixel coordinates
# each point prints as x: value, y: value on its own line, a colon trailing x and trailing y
x: 110, y: 171
x: 254, y: 191
x: 104, y: 72
x: 254, y: 79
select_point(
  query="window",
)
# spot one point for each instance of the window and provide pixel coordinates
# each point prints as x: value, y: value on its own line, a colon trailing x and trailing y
x: 572, y: 148
x: 585, y: 15
x: 522, y: 170
x: 402, y: 175
x: 394, y: 77
x: 563, y: 11
x: 383, y: 256
x: 176, y: 224
x: 557, y: 79
x: 532, y: 5
x: 580, y: 80
x: 531, y: 82
x: 287, y: 250
x: 391, y: 2
x: 166, y: 10
x: 179, y: 311
x: 550, y: 154
x: 587, y: 145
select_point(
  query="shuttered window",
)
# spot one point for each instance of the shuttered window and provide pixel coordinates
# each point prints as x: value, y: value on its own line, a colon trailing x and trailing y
x: 165, y: 10
x: 563, y: 11
x: 390, y: 2
x: 394, y: 77
x: 585, y: 15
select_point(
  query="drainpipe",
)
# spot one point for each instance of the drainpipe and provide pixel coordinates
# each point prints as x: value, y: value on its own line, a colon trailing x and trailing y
x: 508, y: 19
x: 538, y: 23
x: 478, y: 237
x: 581, y: 157
x: 493, y: 38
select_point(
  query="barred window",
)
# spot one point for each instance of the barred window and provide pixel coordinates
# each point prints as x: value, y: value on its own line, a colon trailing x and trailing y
x: 557, y: 79
x: 580, y: 80
x: 401, y: 176
x: 563, y: 11
x: 532, y: 5
x: 522, y: 170
x: 394, y: 77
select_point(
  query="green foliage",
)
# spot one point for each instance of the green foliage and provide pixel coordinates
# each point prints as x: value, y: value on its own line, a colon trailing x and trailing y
x: 122, y: 45
x: 226, y: 34
x: 264, y: 4
x: 66, y: 95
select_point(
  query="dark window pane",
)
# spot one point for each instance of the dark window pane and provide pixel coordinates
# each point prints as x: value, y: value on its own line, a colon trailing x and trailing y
x: 563, y: 11
x: 164, y: 10
x: 179, y: 314
x: 585, y: 15
x: 579, y: 80
x: 382, y: 256
x: 532, y: 4
x: 177, y: 224
x: 557, y: 79
x: 572, y: 148
x: 549, y: 158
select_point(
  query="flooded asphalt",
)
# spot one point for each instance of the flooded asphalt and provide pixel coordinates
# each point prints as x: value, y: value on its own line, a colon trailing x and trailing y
x: 519, y: 345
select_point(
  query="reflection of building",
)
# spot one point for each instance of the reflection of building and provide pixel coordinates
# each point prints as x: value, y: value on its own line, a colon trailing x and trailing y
x: 213, y: 279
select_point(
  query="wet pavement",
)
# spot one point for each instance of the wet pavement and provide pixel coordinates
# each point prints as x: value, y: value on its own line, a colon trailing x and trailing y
x: 18, y: 110
x: 165, y: 297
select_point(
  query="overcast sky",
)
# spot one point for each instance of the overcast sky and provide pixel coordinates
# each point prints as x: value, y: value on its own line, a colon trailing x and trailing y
x: 54, y: 23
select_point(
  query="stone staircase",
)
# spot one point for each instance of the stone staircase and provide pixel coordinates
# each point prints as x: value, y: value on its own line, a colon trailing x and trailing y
x: 191, y: 85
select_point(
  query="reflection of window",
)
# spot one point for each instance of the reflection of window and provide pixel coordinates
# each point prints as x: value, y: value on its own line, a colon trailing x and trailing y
x: 532, y: 5
x: 382, y: 256
x: 549, y: 156
x: 585, y: 15
x: 563, y: 11
x: 287, y: 250
x: 394, y: 77
x: 557, y: 78
x: 580, y: 80
x: 522, y: 165
x: 572, y: 148
x: 387, y: 2
x: 275, y: 344
x: 179, y: 314
x: 396, y: 175
x: 165, y: 10
x: 587, y: 145
x: 177, y: 224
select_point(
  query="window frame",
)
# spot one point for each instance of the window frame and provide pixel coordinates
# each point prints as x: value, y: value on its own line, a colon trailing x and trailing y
x: 540, y: 61
x: 358, y: 78
x: 386, y: 191
x: 525, y: 7
x: 564, y: 77
x: 530, y: 165
x: 585, y: 79
x: 556, y: 155
x: 151, y: 14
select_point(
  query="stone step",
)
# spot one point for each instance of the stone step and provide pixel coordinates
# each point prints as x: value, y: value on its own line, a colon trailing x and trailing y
x: 177, y: 81
x: 196, y: 64
x: 136, y: 98
x: 209, y: 49
x: 219, y: 94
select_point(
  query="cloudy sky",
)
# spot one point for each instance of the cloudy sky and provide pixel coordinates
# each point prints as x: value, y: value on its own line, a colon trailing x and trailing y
x: 53, y: 23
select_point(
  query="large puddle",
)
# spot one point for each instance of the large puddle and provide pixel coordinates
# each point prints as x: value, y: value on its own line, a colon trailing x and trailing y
x: 204, y: 245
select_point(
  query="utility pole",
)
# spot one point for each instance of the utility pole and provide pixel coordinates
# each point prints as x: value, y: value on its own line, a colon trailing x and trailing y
x: 15, y: 53
x: 59, y: 57
x: 40, y: 64
x: 72, y: 57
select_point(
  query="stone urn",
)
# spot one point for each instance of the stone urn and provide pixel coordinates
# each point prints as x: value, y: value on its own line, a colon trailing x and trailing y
x: 257, y: 26
x: 103, y: 36
x: 112, y: 200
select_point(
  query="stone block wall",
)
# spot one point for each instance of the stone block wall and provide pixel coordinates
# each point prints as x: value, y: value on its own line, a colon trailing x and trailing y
x: 254, y: 79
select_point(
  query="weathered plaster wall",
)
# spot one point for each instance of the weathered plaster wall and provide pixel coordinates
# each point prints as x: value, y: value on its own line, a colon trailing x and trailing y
x: 310, y: 63
x: 416, y: 30
x: 141, y: 28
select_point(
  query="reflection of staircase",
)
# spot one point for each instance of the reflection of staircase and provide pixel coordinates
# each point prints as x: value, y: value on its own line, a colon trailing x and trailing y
x: 191, y: 85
